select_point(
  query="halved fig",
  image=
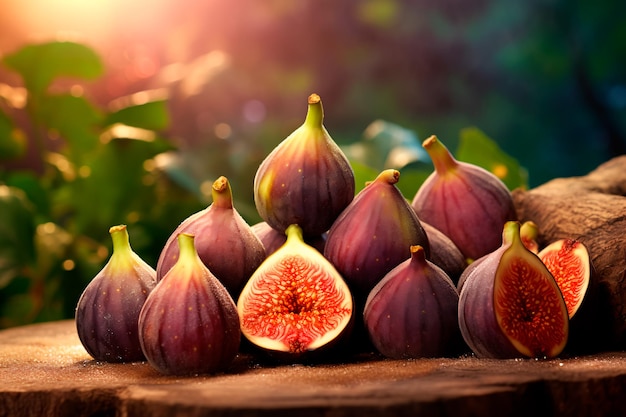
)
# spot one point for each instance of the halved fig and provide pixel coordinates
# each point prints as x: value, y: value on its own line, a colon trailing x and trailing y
x: 295, y: 302
x: 568, y: 261
x: 510, y: 304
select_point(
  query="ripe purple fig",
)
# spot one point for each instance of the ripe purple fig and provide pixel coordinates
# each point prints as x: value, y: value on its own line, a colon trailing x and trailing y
x: 412, y: 311
x: 296, y: 303
x: 306, y: 180
x: 189, y: 323
x: 372, y: 234
x: 273, y: 239
x: 444, y: 253
x: 466, y: 202
x: 510, y: 304
x: 224, y: 241
x: 108, y: 309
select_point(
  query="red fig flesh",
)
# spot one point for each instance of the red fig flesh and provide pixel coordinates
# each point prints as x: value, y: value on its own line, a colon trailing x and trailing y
x: 108, y: 309
x: 568, y: 261
x: 189, y: 323
x: 296, y: 302
x: 306, y: 180
x: 510, y: 304
x: 466, y: 202
x: 412, y: 311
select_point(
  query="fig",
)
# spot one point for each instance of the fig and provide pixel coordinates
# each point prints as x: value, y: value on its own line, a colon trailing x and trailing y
x: 412, y: 311
x: 108, y: 309
x: 529, y: 234
x: 510, y: 304
x: 224, y: 241
x: 466, y: 202
x: 189, y: 322
x: 372, y: 234
x: 444, y: 253
x: 568, y: 261
x: 295, y: 303
x: 306, y: 180
x: 272, y: 239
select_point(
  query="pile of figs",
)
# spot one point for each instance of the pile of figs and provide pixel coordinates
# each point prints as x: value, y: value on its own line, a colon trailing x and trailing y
x: 332, y: 272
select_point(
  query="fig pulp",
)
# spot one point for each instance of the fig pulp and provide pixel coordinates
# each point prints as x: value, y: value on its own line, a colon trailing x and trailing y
x: 189, y: 322
x: 466, y: 202
x: 108, y: 309
x: 224, y: 241
x: 412, y: 311
x: 306, y: 180
x: 568, y: 261
x: 510, y: 304
x: 296, y: 302
x: 372, y: 234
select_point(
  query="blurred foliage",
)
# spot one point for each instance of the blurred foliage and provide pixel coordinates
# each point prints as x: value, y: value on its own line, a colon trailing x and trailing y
x: 540, y: 80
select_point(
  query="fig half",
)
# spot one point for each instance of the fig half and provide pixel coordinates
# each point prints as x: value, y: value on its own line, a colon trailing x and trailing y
x: 296, y: 302
x: 568, y: 261
x: 510, y: 304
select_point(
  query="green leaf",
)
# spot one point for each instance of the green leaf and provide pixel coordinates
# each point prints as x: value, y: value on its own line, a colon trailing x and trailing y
x: 40, y: 64
x: 362, y: 174
x: 386, y: 145
x: 152, y: 115
x: 73, y: 118
x: 12, y: 140
x: 477, y: 148
x: 17, y: 230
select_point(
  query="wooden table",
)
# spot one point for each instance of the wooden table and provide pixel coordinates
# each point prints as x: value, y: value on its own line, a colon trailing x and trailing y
x: 44, y: 371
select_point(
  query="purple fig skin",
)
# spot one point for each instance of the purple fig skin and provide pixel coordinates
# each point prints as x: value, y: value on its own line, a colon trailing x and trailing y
x: 510, y: 305
x: 225, y: 242
x: 272, y: 239
x: 306, y: 180
x: 372, y: 234
x: 444, y: 253
x: 189, y: 323
x: 412, y: 311
x: 467, y: 203
x: 108, y: 309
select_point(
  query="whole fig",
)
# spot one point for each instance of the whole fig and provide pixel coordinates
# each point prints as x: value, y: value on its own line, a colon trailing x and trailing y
x: 306, y: 180
x: 224, y: 241
x: 295, y: 303
x: 466, y: 202
x: 372, y: 234
x: 412, y: 311
x: 189, y: 322
x: 510, y: 304
x: 108, y: 309
x: 444, y: 253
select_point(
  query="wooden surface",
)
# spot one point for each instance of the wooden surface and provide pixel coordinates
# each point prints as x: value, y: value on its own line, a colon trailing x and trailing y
x: 44, y: 371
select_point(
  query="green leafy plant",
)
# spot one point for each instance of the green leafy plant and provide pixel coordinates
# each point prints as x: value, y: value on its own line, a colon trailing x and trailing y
x: 69, y: 171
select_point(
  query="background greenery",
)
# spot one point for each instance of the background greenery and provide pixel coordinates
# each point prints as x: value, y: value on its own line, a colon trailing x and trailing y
x: 537, y: 88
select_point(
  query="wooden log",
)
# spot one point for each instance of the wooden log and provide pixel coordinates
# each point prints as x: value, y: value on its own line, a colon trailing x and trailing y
x: 592, y: 209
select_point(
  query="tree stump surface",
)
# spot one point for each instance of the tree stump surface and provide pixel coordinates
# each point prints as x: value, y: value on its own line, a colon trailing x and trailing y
x: 592, y: 209
x: 45, y: 371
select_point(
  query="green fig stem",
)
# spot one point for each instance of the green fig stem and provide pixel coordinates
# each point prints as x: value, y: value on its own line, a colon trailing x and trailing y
x: 294, y: 232
x: 222, y: 193
x: 511, y: 234
x: 390, y: 176
x: 188, y: 254
x: 442, y: 159
x: 315, y: 112
x: 121, y: 241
